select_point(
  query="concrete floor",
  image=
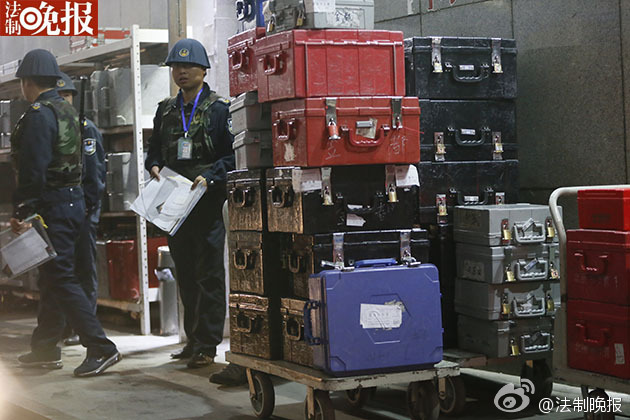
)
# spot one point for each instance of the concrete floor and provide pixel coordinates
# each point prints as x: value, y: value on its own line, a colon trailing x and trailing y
x: 148, y: 385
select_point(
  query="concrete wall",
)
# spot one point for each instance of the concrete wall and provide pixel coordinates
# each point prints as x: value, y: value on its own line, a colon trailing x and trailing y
x: 573, y: 59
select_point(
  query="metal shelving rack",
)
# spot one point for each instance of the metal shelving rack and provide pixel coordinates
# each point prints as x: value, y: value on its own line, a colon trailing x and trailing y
x: 148, y: 43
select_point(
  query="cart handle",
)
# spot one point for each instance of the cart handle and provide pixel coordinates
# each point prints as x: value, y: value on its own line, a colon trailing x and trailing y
x: 308, y: 325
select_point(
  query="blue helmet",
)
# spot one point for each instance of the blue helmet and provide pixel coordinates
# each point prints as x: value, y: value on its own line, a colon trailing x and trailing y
x: 188, y: 51
x: 65, y: 84
x: 39, y: 63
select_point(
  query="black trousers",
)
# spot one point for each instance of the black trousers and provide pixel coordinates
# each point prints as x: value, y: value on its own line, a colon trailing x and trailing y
x: 197, y: 250
x: 86, y: 257
x: 61, y: 295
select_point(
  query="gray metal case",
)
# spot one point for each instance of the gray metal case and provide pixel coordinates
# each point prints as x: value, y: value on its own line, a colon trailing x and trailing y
x: 504, y: 224
x: 344, y: 14
x: 121, y: 181
x: 503, y: 264
x: 506, y: 301
x: 528, y: 337
x: 252, y: 149
x: 248, y: 114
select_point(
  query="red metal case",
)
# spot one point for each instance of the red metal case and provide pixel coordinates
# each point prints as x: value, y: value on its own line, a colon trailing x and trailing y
x: 122, y: 260
x: 346, y: 131
x: 598, y: 265
x: 242, y: 66
x: 598, y: 337
x: 330, y: 62
x: 604, y: 209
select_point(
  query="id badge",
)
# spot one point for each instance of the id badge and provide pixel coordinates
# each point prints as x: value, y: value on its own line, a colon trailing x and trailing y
x: 184, y: 149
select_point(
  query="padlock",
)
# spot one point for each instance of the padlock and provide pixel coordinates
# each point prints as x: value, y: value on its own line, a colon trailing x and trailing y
x: 442, y: 211
x: 553, y: 272
x: 333, y: 131
x: 300, y: 18
x: 505, y: 307
x: 391, y: 194
x: 506, y: 237
x: 514, y: 351
x: 551, y: 231
x: 509, y: 275
x: 271, y: 25
x: 328, y: 201
x: 551, y: 306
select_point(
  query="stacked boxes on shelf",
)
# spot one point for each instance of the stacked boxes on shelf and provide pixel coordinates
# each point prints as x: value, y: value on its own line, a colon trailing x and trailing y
x: 466, y: 88
x: 341, y: 186
x: 507, y: 287
x: 598, y: 284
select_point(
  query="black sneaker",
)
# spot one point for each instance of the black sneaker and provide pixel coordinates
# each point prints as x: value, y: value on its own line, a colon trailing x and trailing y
x: 200, y: 359
x: 73, y: 340
x: 231, y: 375
x: 185, y: 353
x: 50, y: 359
x: 93, y: 366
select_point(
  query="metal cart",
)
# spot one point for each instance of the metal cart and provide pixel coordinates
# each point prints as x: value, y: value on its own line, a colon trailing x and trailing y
x: 422, y: 397
x: 452, y: 391
x: 587, y: 380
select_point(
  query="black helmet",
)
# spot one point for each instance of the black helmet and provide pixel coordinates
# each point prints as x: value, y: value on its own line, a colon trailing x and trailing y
x: 65, y: 84
x: 188, y: 51
x: 39, y: 63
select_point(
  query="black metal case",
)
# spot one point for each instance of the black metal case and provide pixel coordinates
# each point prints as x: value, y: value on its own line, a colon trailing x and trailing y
x: 444, y: 185
x: 460, y: 130
x: 307, y: 252
x: 295, y: 349
x: 246, y: 200
x: 341, y: 198
x: 460, y: 68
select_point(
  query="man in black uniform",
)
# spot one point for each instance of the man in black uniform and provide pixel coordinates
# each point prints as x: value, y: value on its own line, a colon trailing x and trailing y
x: 191, y: 135
x: 46, y: 149
x: 93, y: 182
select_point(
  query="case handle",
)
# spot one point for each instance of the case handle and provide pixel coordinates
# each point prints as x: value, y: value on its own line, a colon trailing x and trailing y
x: 484, y: 137
x: 285, y: 130
x: 602, y: 341
x: 380, y: 262
x: 243, y: 260
x: 365, y: 142
x: 481, y: 72
x: 244, y: 323
x: 244, y: 10
x: 520, y: 236
x: 236, y: 57
x: 295, y: 263
x: 308, y: 327
x: 377, y: 204
x: 522, y: 310
x: 600, y: 269
x: 241, y: 197
x: 281, y: 198
x: 296, y: 327
x: 274, y: 67
x: 107, y: 102
x: 527, y: 275
x: 529, y: 342
x: 462, y: 201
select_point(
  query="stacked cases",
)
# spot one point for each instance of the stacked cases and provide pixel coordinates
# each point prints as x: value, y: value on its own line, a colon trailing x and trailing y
x: 467, y: 88
x: 507, y: 287
x: 340, y: 186
x: 598, y: 277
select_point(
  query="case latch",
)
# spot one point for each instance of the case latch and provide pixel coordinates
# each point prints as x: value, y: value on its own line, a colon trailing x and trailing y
x: 436, y: 54
x: 405, y: 247
x: 397, y: 113
x: 440, y: 148
x: 499, y: 198
x: 497, y: 151
x: 327, y: 199
x: 331, y: 119
x: 496, y: 56
x: 338, y: 256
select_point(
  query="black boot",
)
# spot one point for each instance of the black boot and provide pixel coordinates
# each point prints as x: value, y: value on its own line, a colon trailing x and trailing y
x: 231, y: 375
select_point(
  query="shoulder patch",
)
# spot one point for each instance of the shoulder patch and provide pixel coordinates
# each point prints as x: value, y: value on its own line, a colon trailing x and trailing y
x: 89, y: 147
x: 223, y: 100
x: 229, y: 122
x: 36, y: 106
x: 85, y: 123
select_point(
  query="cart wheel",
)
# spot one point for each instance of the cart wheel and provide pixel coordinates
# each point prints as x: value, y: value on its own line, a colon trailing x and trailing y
x: 324, y: 409
x: 423, y: 401
x: 453, y: 398
x: 541, y: 377
x: 357, y: 398
x: 263, y: 399
x: 599, y: 393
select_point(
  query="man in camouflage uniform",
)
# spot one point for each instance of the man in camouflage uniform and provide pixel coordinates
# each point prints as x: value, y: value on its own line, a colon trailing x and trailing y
x: 46, y: 147
x: 191, y: 135
x: 93, y: 183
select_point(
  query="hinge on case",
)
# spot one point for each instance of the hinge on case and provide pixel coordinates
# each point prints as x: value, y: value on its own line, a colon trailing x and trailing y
x: 331, y: 119
x: 390, y: 183
x: 327, y: 199
x: 509, y: 275
x: 506, y: 233
x: 338, y: 256
x: 551, y: 231
x: 496, y: 56
x: 499, y: 198
x: 405, y: 247
x: 440, y: 148
x: 396, y: 113
x: 497, y: 152
x: 436, y: 54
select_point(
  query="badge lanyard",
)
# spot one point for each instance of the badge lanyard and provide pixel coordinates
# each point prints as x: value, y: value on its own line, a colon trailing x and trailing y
x: 184, y: 146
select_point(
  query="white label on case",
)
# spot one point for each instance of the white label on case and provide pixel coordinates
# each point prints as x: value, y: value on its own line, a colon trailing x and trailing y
x: 468, y: 132
x: 354, y: 220
x: 471, y: 198
x: 323, y: 6
x: 380, y: 316
x: 466, y: 67
x: 620, y: 358
x: 306, y: 180
x: 289, y: 152
x: 407, y: 176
